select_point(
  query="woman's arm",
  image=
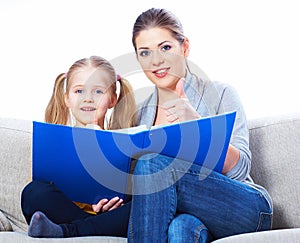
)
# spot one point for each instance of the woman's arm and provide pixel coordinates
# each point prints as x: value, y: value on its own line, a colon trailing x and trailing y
x: 232, y: 157
x: 238, y: 159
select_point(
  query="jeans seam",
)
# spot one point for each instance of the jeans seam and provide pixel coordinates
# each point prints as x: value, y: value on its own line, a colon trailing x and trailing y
x: 261, y: 220
x: 130, y: 230
x: 173, y: 205
x: 198, y: 230
x: 254, y: 191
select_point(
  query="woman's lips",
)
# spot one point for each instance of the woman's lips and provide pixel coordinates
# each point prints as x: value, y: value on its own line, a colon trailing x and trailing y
x: 161, y: 73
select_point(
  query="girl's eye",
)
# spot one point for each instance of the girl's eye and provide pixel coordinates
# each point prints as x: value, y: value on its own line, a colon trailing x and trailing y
x: 145, y: 53
x: 98, y: 91
x: 165, y: 48
x: 78, y: 91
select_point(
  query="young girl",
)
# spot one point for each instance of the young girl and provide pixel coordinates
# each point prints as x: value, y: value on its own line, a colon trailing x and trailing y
x: 81, y: 97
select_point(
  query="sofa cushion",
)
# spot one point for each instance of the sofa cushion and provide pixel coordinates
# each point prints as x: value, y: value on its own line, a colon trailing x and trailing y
x: 274, y: 143
x: 270, y: 236
x: 21, y: 237
x: 15, y: 164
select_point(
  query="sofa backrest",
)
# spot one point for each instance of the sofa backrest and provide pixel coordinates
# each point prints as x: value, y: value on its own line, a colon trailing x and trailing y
x: 275, y: 147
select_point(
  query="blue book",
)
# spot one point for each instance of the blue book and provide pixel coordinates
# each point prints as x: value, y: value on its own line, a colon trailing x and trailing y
x: 88, y: 165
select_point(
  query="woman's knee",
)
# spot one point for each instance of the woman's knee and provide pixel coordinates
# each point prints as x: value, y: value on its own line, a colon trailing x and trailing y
x: 188, y: 228
x: 152, y: 163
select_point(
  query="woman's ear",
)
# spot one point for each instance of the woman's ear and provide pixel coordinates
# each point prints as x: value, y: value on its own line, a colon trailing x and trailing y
x: 113, y: 101
x: 186, y: 47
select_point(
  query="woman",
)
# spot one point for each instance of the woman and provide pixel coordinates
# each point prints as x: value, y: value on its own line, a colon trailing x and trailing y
x: 170, y: 201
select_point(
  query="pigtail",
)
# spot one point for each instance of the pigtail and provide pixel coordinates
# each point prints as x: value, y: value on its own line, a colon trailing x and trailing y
x: 123, y: 114
x: 56, y: 110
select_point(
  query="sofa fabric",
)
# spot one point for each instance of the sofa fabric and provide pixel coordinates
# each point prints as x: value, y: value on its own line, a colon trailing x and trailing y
x: 17, y: 237
x: 15, y: 164
x: 4, y: 223
x: 275, y: 146
x: 274, y: 143
x: 271, y: 236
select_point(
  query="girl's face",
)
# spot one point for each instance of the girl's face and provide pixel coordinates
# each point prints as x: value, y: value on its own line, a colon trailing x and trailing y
x: 161, y: 56
x: 89, y: 96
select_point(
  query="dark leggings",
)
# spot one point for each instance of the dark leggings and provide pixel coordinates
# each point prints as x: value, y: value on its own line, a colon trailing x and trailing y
x: 47, y: 198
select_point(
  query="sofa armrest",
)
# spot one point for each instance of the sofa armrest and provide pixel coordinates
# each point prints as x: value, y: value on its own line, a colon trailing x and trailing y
x: 274, y: 143
x: 15, y: 164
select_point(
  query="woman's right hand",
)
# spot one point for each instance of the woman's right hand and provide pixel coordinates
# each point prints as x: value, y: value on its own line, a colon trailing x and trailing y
x: 179, y: 109
x: 105, y: 205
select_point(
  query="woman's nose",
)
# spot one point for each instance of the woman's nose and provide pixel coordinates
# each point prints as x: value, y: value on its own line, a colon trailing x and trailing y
x: 157, y: 58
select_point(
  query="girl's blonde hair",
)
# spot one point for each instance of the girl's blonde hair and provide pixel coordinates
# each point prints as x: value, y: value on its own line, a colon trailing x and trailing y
x: 123, y: 114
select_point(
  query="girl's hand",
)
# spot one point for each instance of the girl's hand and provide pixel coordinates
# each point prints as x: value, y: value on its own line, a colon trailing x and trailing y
x: 180, y: 109
x: 105, y: 205
x: 93, y: 126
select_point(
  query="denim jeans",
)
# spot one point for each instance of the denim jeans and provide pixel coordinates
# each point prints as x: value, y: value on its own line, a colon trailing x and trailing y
x: 177, y: 201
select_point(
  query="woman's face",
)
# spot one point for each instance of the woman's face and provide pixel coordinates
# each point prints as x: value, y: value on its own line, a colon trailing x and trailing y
x: 89, y: 96
x: 161, y: 56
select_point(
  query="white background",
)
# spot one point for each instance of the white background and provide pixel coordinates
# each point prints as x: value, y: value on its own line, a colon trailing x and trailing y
x: 253, y: 45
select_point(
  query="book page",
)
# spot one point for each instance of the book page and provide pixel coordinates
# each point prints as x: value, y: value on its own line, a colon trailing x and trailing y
x: 132, y: 130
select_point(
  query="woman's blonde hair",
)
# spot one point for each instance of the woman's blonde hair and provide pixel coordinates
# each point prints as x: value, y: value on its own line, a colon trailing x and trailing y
x: 123, y: 114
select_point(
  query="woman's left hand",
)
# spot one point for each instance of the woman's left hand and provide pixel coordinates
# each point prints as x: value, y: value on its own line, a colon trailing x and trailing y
x: 180, y: 109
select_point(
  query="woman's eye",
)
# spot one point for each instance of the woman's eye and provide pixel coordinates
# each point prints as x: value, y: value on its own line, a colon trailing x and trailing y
x: 145, y: 53
x: 166, y: 48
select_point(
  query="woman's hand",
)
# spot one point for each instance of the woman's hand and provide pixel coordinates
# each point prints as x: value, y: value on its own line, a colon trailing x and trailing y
x: 180, y: 109
x: 105, y: 205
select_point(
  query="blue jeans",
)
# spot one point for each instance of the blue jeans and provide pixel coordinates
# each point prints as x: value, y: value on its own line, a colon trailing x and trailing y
x: 177, y: 201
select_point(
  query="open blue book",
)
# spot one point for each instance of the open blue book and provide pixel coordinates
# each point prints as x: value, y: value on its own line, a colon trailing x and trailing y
x: 88, y: 165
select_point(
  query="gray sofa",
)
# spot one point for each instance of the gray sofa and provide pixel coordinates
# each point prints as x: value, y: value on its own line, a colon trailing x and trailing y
x: 275, y: 146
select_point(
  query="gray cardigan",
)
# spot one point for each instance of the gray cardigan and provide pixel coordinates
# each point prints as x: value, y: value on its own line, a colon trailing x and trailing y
x: 212, y: 98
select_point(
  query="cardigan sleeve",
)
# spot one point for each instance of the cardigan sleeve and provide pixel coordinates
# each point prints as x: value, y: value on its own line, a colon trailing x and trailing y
x: 230, y: 101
